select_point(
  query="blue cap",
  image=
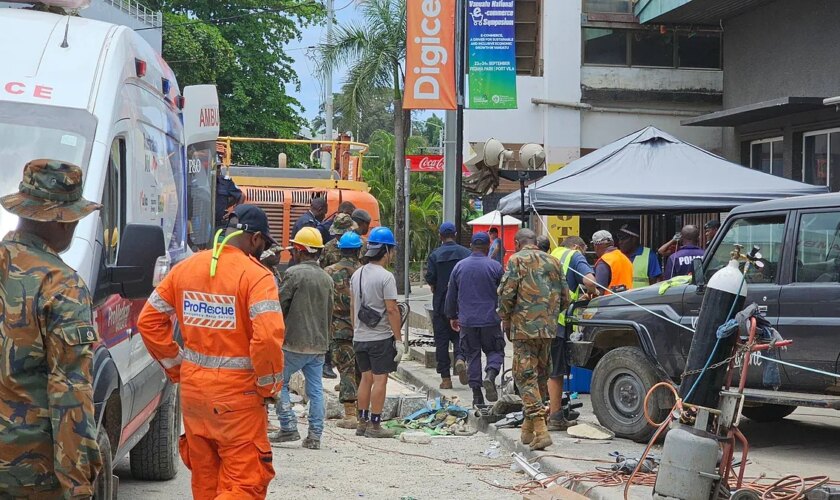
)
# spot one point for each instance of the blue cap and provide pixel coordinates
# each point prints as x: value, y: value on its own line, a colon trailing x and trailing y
x: 350, y: 240
x: 447, y: 228
x: 481, y: 238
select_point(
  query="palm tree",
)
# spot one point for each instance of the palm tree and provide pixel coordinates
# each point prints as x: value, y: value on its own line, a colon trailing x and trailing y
x: 374, y: 52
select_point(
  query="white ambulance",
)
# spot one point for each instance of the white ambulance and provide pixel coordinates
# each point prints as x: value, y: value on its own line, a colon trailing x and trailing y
x: 97, y: 95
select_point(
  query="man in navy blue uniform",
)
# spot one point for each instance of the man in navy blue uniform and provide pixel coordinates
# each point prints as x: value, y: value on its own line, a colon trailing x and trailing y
x: 438, y: 269
x: 471, y: 304
x: 681, y: 262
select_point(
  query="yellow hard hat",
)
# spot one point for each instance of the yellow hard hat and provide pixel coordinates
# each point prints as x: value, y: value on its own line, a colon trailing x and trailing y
x: 310, y: 238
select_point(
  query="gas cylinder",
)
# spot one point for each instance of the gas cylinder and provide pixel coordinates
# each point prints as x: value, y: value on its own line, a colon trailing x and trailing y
x: 688, y: 467
x: 726, y: 287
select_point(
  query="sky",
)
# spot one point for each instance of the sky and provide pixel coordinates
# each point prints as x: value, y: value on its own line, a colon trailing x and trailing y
x: 311, y: 94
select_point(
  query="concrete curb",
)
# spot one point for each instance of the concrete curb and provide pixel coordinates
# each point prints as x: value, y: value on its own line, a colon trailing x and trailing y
x: 422, y: 378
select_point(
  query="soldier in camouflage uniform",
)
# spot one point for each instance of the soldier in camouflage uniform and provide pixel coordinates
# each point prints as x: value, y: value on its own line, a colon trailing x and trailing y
x: 362, y: 219
x: 341, y: 344
x: 532, y: 294
x: 48, y: 446
x: 331, y: 253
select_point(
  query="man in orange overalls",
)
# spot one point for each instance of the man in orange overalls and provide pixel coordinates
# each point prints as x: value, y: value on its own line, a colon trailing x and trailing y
x: 231, y: 360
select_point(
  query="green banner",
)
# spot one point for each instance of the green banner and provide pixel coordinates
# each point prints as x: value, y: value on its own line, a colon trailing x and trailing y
x: 492, y: 54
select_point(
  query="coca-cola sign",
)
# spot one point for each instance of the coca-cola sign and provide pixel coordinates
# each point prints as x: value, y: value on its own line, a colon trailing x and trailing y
x: 429, y: 163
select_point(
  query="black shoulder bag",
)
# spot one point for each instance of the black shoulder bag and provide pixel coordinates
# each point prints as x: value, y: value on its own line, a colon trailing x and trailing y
x: 369, y: 316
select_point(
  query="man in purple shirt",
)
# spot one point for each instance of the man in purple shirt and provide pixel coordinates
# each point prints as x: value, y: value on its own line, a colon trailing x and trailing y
x: 680, y: 263
x: 471, y: 303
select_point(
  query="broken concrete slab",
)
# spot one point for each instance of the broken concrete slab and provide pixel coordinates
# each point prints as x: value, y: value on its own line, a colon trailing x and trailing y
x: 587, y: 430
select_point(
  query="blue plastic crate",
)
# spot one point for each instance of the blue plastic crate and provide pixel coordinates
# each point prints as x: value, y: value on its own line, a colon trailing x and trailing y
x: 578, y: 381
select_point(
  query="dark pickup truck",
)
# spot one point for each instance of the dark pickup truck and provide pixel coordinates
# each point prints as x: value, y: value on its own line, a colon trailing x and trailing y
x: 797, y: 290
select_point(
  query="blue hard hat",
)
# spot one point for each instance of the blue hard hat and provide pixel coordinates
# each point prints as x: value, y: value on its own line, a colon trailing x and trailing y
x: 350, y: 239
x: 382, y: 236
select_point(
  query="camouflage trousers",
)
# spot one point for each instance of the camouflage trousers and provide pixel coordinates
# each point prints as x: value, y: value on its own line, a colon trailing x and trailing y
x: 531, y: 368
x: 344, y: 360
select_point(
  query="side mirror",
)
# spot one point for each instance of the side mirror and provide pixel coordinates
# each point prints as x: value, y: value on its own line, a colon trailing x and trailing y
x: 140, y: 247
x: 698, y: 275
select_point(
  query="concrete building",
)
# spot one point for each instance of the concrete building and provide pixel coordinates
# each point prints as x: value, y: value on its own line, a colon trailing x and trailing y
x: 589, y: 73
x: 779, y: 64
x: 131, y: 13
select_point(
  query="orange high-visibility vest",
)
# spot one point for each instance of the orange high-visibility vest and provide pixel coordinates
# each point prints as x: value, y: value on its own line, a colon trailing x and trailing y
x: 621, y: 269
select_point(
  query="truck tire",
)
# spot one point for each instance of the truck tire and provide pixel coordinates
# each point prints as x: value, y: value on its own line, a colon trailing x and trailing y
x: 105, y: 487
x: 767, y: 412
x: 155, y: 457
x: 620, y: 382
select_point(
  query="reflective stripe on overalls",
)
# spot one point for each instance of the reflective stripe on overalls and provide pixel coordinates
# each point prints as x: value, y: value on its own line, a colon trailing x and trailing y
x: 565, y: 258
x: 640, y: 269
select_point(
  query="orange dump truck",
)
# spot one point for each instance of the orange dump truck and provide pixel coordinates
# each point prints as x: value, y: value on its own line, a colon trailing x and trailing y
x: 284, y: 193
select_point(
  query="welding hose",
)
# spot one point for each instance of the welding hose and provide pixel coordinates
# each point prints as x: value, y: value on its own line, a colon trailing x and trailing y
x: 677, y: 406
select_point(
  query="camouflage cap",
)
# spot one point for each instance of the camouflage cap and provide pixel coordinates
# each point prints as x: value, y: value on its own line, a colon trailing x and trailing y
x: 51, y: 190
x: 341, y: 224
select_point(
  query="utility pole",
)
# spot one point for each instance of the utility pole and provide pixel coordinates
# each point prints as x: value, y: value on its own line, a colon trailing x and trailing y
x: 328, y: 99
x: 461, y: 75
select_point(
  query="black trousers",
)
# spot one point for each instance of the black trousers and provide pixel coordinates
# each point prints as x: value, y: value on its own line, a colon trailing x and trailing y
x: 444, y: 334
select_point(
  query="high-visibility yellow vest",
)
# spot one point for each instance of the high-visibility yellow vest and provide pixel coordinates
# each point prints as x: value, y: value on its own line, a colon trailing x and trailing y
x: 640, y: 269
x: 564, y: 255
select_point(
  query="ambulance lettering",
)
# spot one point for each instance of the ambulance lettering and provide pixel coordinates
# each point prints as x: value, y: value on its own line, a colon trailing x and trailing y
x: 210, y: 311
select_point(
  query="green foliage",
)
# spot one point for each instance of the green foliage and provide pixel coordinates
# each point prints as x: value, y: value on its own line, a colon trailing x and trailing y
x: 378, y: 114
x: 253, y: 84
x: 196, y: 51
x: 431, y: 130
x: 426, y: 204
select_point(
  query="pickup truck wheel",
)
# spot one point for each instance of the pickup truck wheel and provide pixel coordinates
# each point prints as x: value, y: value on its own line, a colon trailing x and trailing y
x: 620, y: 382
x: 105, y: 487
x: 155, y: 457
x: 767, y: 412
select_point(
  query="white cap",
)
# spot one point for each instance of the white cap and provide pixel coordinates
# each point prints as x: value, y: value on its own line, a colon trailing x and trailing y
x: 602, y: 236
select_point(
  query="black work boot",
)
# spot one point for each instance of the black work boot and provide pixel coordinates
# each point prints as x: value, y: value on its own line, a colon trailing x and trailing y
x: 328, y: 369
x: 490, y: 385
x: 478, y: 397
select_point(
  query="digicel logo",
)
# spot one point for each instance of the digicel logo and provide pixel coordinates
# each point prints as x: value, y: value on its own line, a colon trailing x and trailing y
x: 20, y: 88
x: 433, y: 53
x: 208, y: 117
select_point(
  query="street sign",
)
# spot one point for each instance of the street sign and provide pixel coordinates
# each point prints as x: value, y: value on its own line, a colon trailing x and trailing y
x: 430, y: 163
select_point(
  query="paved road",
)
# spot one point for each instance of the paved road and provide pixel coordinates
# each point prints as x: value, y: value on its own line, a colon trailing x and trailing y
x: 349, y: 467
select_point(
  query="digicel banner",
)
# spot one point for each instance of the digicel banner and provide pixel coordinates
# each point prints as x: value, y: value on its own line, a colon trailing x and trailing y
x: 430, y: 55
x: 430, y: 163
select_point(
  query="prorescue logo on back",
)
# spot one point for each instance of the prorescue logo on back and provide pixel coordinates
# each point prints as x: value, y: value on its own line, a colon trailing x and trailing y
x: 209, y: 310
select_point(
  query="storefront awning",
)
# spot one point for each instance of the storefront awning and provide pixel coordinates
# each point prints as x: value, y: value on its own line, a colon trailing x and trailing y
x: 756, y: 112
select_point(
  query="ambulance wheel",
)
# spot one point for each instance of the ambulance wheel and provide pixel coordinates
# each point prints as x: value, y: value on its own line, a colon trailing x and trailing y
x: 620, y: 381
x: 155, y: 457
x: 767, y: 412
x: 106, y: 484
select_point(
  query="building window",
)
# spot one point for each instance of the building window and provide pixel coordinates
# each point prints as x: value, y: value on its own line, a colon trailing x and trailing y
x: 528, y: 26
x: 766, y: 155
x: 698, y: 50
x: 651, y: 48
x: 605, y: 46
x: 821, y: 162
x: 608, y: 6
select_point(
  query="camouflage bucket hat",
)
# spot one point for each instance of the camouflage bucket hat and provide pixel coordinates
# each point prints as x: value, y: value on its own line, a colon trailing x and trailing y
x: 51, y: 190
x: 342, y: 224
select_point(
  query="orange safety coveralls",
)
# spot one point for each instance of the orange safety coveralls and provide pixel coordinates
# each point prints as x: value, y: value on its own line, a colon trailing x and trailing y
x: 232, y: 359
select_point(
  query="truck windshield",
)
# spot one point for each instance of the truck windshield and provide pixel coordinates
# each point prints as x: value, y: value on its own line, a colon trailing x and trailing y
x: 32, y: 131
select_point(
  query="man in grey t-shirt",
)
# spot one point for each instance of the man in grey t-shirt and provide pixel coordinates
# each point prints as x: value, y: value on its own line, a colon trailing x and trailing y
x: 376, y: 330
